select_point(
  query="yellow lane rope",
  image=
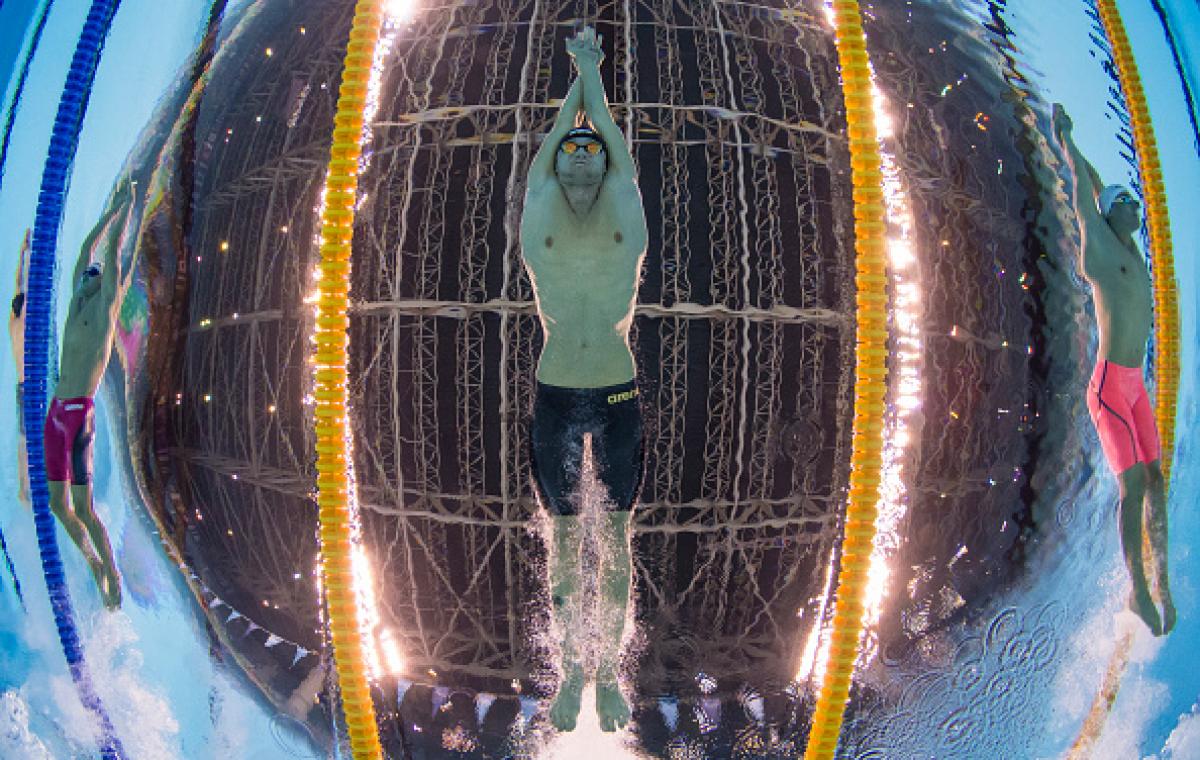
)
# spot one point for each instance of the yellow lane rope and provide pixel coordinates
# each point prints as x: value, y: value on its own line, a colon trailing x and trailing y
x: 333, y: 288
x: 1166, y: 304
x: 870, y: 230
x: 1166, y: 323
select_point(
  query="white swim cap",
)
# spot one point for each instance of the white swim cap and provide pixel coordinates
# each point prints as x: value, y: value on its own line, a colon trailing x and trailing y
x: 1109, y: 195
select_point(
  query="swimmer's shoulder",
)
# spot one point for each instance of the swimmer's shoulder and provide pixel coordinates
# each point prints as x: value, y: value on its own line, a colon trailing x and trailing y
x: 622, y: 203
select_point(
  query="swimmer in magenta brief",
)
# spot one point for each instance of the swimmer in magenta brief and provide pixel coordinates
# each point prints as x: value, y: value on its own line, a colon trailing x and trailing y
x: 70, y: 421
x: 1116, y: 396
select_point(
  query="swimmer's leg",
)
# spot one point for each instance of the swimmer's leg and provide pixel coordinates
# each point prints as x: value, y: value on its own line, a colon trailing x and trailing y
x: 1133, y: 492
x: 76, y: 529
x: 617, y: 575
x: 22, y: 453
x: 565, y: 597
x: 1156, y: 526
x: 82, y: 501
x: 22, y: 470
x: 110, y: 588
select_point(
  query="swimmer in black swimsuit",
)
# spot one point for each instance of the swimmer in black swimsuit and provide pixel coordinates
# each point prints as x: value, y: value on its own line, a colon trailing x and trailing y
x: 561, y: 419
x: 583, y: 239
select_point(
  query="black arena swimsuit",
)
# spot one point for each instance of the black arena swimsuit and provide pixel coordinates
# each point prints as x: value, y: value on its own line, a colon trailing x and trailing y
x: 561, y: 417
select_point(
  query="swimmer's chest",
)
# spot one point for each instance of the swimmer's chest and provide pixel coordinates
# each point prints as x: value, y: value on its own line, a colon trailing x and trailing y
x: 87, y: 325
x: 596, y: 253
x: 1122, y: 279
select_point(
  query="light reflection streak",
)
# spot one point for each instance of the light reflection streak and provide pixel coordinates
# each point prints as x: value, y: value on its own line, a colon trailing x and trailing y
x: 381, y: 651
x: 810, y: 664
x: 399, y: 10
x: 904, y: 394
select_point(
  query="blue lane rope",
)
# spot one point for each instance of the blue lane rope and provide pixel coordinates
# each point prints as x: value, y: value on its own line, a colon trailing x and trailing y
x: 64, y: 142
x: 12, y: 571
x: 16, y: 99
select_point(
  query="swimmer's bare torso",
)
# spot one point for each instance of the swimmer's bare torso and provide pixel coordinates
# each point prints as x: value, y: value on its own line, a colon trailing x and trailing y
x: 86, y: 345
x: 1110, y: 262
x: 92, y: 316
x: 585, y: 272
x: 583, y: 235
x: 1121, y: 292
x: 16, y: 337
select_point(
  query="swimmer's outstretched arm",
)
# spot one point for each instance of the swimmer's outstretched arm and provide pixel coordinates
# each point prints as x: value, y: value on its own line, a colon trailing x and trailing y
x: 542, y: 168
x: 1087, y: 183
x: 1086, y: 187
x: 585, y: 49
x: 102, y: 227
x: 113, y: 283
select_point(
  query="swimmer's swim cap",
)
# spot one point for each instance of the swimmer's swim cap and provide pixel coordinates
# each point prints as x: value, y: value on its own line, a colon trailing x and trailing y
x: 1109, y: 195
x: 587, y: 132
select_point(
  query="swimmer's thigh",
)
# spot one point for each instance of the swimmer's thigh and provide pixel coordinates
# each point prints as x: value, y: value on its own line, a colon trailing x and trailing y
x: 1113, y: 420
x: 81, y: 451
x: 619, y: 453
x: 1145, y: 428
x: 555, y: 456
x: 56, y: 442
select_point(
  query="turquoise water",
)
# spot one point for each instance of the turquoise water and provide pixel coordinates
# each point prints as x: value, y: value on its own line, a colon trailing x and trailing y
x: 172, y: 692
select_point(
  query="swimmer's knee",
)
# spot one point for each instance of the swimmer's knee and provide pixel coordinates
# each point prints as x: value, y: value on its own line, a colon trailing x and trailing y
x: 1133, y: 480
x: 58, y: 498
x: 1154, y: 473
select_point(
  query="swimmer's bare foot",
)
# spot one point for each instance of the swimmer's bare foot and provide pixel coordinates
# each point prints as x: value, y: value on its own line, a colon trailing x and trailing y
x: 1142, y: 605
x: 611, y: 706
x: 111, y: 591
x: 1168, y: 614
x: 100, y: 576
x: 565, y: 710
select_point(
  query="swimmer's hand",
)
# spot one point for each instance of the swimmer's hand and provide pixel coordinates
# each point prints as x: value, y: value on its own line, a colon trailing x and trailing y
x: 585, y: 48
x: 1061, y: 121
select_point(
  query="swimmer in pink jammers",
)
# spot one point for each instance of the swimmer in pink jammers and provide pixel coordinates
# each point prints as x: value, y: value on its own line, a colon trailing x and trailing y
x: 1116, y: 396
x: 70, y: 421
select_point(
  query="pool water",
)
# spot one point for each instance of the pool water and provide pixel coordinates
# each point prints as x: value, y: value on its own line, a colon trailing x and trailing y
x: 1003, y: 606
